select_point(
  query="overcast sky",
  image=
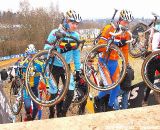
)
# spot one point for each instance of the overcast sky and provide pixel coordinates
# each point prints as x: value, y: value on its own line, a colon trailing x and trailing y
x: 92, y: 8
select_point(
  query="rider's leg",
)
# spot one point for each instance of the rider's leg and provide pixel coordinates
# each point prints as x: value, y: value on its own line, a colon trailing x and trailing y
x: 52, y: 108
x: 125, y: 99
x: 27, y: 105
x: 114, y: 72
x: 35, y: 105
x: 113, y: 96
x: 69, y: 96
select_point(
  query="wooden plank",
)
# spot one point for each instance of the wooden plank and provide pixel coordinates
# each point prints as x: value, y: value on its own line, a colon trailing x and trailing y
x: 136, y: 118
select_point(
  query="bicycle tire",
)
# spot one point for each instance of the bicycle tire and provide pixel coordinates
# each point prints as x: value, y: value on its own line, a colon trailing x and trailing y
x: 122, y: 62
x: 144, y: 70
x: 139, y: 45
x: 60, y: 94
x: 15, y: 105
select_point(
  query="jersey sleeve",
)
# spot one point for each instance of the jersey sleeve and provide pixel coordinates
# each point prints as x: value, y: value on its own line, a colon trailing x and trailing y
x: 51, y: 38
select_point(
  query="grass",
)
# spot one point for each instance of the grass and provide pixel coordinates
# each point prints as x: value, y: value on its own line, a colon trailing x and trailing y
x: 136, y: 64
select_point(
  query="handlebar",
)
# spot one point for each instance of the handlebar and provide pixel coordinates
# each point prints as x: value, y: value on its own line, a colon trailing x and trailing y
x: 115, y: 11
x: 60, y: 35
x: 155, y: 15
x: 118, y: 33
x: 154, y: 20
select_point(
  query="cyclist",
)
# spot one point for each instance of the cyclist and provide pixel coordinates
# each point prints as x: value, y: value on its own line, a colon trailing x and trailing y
x: 153, y: 66
x: 34, y: 82
x: 68, y: 26
x: 125, y: 18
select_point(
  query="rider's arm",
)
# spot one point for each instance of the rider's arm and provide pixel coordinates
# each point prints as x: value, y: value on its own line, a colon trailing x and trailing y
x: 105, y: 36
x: 76, y: 55
x: 76, y: 58
x: 127, y: 37
x: 106, y: 33
x: 51, y: 38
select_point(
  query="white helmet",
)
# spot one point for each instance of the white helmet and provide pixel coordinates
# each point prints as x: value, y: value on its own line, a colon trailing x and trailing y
x: 31, y: 49
x: 31, y: 46
x: 72, y: 15
x: 126, y: 15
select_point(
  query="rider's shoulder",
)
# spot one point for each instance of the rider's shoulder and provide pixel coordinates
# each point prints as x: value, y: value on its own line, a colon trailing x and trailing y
x: 53, y: 31
x: 108, y: 27
x: 75, y: 33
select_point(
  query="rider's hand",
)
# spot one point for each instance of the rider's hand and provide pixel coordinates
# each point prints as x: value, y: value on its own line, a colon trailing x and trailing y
x: 59, y: 34
x: 68, y: 47
x: 123, y: 42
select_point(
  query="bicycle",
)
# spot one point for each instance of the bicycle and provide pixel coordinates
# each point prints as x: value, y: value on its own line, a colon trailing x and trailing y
x: 47, y: 58
x: 16, y: 94
x: 139, y: 48
x: 144, y: 71
x: 92, y: 66
x: 142, y: 37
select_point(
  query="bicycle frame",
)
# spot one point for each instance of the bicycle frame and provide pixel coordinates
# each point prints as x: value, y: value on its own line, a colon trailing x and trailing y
x: 18, y: 93
x: 93, y: 73
x: 143, y: 37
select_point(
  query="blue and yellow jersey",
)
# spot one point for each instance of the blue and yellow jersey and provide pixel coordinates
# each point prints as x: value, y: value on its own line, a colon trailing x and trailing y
x: 124, y: 36
x: 69, y: 55
x: 35, y: 77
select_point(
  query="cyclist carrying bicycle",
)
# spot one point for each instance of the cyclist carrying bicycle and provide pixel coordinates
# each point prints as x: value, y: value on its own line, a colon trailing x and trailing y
x: 120, y: 40
x: 68, y: 26
x: 34, y: 82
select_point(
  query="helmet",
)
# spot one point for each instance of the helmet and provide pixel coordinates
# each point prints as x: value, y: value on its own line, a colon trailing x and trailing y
x: 72, y: 15
x: 31, y: 46
x: 31, y: 49
x: 126, y: 15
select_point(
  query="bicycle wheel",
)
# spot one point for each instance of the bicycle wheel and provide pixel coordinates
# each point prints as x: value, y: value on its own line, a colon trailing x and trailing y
x: 93, y: 69
x: 47, y: 84
x: 16, y: 97
x: 81, y: 92
x: 144, y: 71
x: 140, y: 43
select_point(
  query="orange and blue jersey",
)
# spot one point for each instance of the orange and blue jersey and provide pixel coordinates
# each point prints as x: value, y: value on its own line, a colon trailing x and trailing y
x: 124, y: 36
x: 112, y: 64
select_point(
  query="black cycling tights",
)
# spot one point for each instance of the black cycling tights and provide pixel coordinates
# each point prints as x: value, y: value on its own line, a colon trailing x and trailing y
x: 62, y: 107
